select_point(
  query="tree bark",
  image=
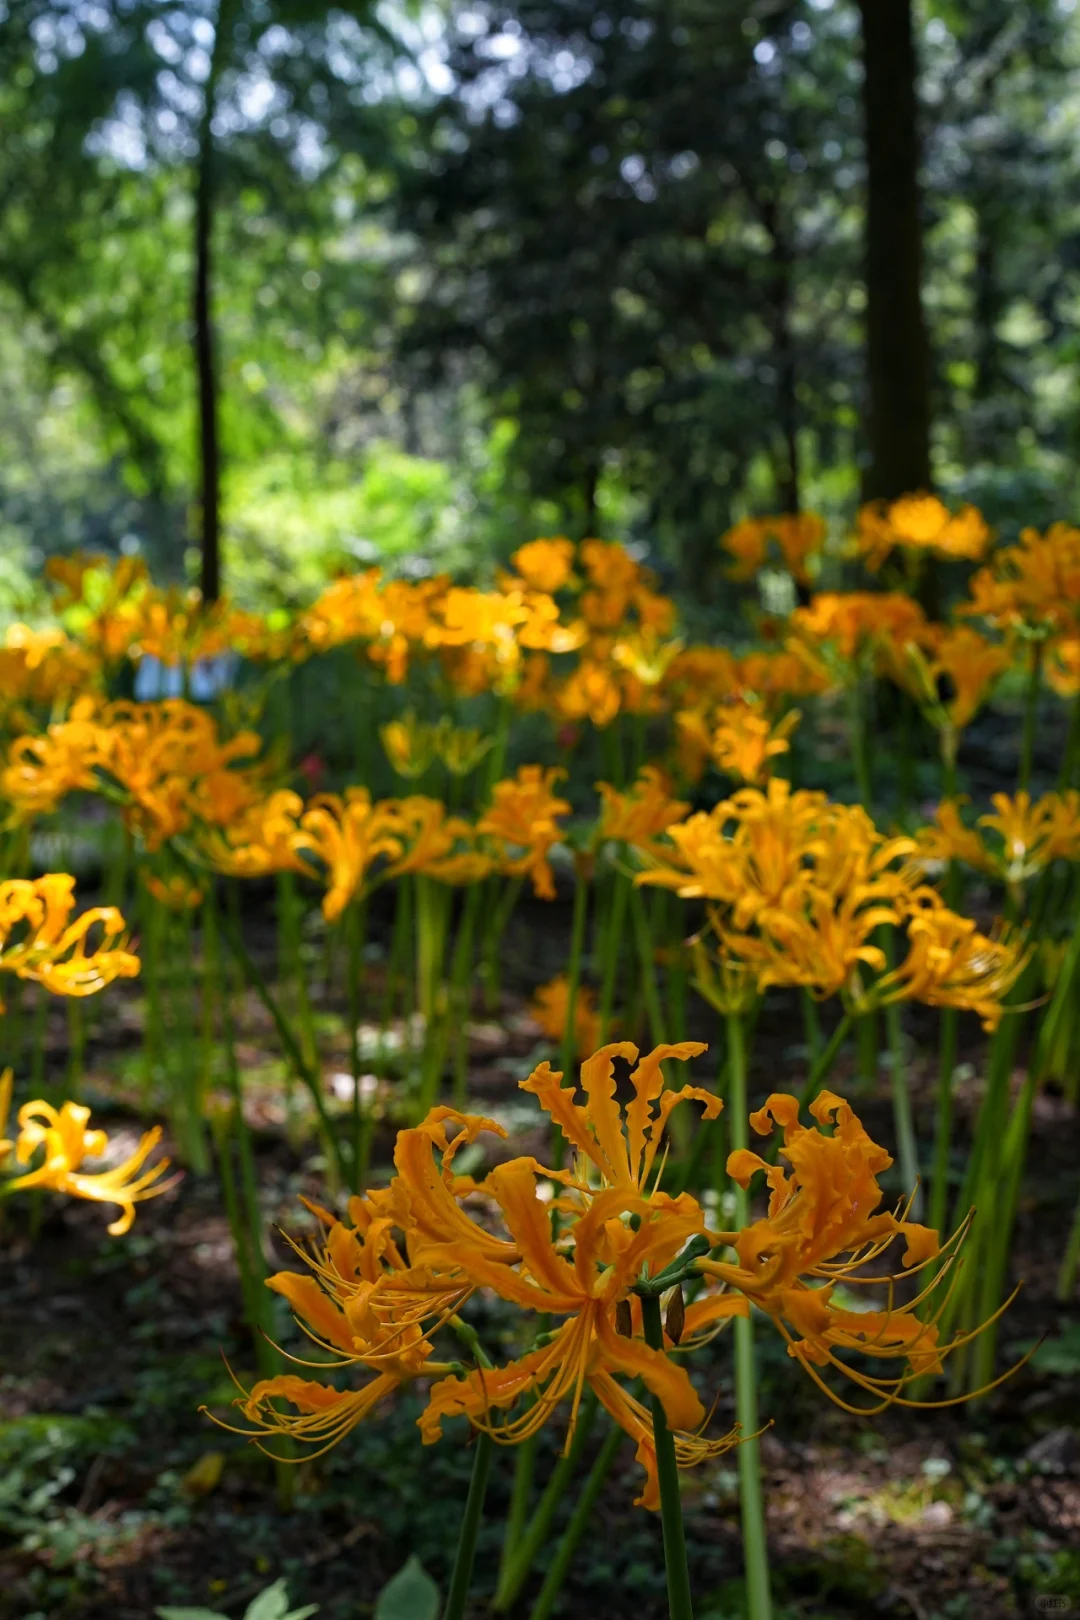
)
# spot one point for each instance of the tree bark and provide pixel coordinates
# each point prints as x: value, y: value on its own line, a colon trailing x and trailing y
x: 205, y: 344
x: 897, y: 351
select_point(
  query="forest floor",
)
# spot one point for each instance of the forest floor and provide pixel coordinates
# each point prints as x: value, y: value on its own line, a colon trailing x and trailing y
x: 117, y: 1494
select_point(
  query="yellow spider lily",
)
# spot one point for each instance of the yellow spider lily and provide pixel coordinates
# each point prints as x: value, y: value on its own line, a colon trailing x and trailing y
x: 62, y: 1136
x: 799, y: 537
x: 920, y: 523
x: 348, y: 835
x: 522, y: 818
x: 642, y: 813
x: 261, y: 840
x: 821, y: 1229
x: 38, y: 939
x: 745, y: 741
x: 546, y: 564
x: 549, y: 1008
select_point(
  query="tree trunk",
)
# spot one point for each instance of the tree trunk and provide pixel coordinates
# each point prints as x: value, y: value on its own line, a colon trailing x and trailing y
x: 897, y: 352
x: 209, y: 500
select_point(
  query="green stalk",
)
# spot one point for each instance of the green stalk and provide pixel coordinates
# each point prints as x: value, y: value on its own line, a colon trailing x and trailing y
x: 907, y: 1151
x: 520, y: 1497
x: 939, y: 1185
x: 1072, y: 748
x: 755, y: 1544
x: 461, y: 1578
x: 1071, y: 1263
x: 579, y: 1522
x: 497, y: 757
x: 461, y: 972
x: 1031, y: 714
x: 811, y: 1026
x: 860, y: 752
x: 644, y: 941
x: 356, y: 927
x: 568, y: 1050
x: 498, y: 918
x: 680, y: 1603
x: 824, y: 1064
x: 519, y: 1560
x: 612, y: 949
x: 311, y: 1079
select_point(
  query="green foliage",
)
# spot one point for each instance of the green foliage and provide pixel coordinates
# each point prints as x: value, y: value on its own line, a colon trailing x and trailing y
x: 411, y: 1594
x: 271, y: 1604
x: 1060, y: 1355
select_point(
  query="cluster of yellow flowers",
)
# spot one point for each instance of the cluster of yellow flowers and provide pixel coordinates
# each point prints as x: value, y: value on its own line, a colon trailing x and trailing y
x: 69, y: 956
x: 797, y: 887
x: 575, y: 1249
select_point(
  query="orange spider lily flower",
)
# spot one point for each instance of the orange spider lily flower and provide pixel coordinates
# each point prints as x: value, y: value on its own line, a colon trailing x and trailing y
x: 546, y: 564
x: 745, y: 741
x: 620, y: 1145
x: 41, y: 771
x: 532, y: 1270
x: 1035, y: 584
x: 263, y: 839
x: 920, y: 523
x: 174, y: 893
x: 951, y: 964
x: 959, y: 660
x: 798, y: 535
x: 348, y: 835
x: 855, y: 622
x: 38, y: 939
x: 357, y: 1303
x: 549, y: 1009
x: 522, y: 817
x: 592, y: 692
x: 641, y: 814
x: 1034, y: 834
x: 410, y: 745
x: 609, y: 1257
x: 62, y: 1136
x: 948, y: 839
x: 821, y: 1229
x: 793, y: 671
x: 432, y: 843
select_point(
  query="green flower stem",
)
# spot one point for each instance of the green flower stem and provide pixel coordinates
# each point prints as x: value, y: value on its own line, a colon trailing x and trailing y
x: 579, y: 1521
x: 644, y: 940
x: 498, y: 919
x: 620, y: 890
x: 939, y: 1184
x: 1031, y: 715
x: 460, y: 976
x: 755, y: 1546
x: 811, y: 1025
x: 1072, y: 748
x: 519, y: 1559
x: 1071, y: 1262
x: 680, y: 1604
x: 824, y: 1064
x: 461, y: 1578
x: 497, y: 757
x: 307, y: 1074
x: 998, y: 1237
x: 568, y: 1050
x: 516, y: 1518
x: 356, y: 928
x: 860, y: 749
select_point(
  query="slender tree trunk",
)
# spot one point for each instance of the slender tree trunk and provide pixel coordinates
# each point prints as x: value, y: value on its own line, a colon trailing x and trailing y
x: 209, y: 498
x: 897, y: 352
